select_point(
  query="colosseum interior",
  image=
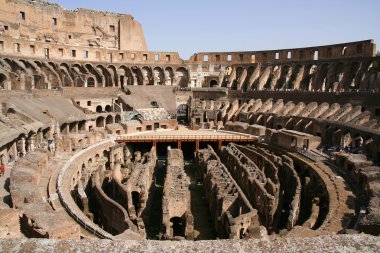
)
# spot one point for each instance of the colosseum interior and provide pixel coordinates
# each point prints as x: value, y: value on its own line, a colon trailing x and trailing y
x: 105, y: 141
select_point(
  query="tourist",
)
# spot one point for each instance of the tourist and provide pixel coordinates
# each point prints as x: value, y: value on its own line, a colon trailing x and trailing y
x: 2, y: 170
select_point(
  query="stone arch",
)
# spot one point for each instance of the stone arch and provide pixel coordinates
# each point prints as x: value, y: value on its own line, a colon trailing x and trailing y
x: 73, y: 126
x: 137, y: 76
x: 235, y: 82
x: 106, y: 75
x: 346, y: 138
x: 99, y: 109
x: 109, y: 120
x: 294, y: 77
x: 321, y: 78
x: 24, y: 78
x: 125, y: 76
x: 158, y: 76
x: 147, y: 76
x: 307, y: 80
x: 182, y: 77
x: 64, y: 128
x: 251, y: 76
x: 354, y: 77
x: 213, y: 83
x: 82, y: 125
x: 66, y: 78
x: 96, y: 74
x: 108, y: 108
x: 31, y: 141
x: 100, y: 122
x: 3, y: 80
x: 169, y: 76
x: 40, y: 73
x: 79, y: 75
x: 339, y: 75
x: 114, y: 77
x: 55, y: 78
x: 284, y: 77
x: 90, y: 82
x: 358, y: 141
x: 118, y: 119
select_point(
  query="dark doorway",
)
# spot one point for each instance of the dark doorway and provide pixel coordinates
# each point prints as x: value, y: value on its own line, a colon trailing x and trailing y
x: 90, y: 82
x: 214, y: 83
x: 136, y: 201
x: 183, y: 114
x: 177, y: 226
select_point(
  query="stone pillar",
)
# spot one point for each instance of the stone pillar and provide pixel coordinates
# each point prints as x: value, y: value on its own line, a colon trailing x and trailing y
x: 31, y: 143
x: 8, y: 85
x: 22, y: 81
x: 21, y: 146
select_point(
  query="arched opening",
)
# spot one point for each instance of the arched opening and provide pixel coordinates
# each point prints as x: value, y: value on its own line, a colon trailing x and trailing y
x: 147, y: 76
x: 183, y: 114
x: 82, y: 126
x: 113, y: 75
x: 159, y: 76
x: 169, y: 76
x: 109, y: 120
x: 99, y: 109
x: 213, y: 83
x: 182, y: 77
x: 177, y: 226
x: 64, y: 128
x: 73, y: 127
x: 3, y: 78
x: 90, y: 82
x: 136, y: 201
x: 137, y: 76
x: 100, y: 122
x: 108, y: 108
x: 117, y: 119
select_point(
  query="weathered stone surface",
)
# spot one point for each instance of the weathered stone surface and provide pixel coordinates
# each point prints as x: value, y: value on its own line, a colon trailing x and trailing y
x: 342, y: 243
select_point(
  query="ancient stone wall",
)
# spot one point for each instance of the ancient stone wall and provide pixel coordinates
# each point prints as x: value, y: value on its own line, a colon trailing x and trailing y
x: 346, y: 50
x: 367, y: 176
x: 39, y: 21
x: 39, y: 219
x: 176, y: 203
x: 232, y: 213
x: 262, y: 192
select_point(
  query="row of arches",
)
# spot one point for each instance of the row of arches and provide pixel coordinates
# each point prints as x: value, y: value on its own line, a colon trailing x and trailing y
x: 29, y: 74
x: 333, y: 76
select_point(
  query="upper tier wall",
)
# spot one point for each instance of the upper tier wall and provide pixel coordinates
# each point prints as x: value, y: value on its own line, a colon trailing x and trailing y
x: 42, y: 21
x: 366, y: 48
x: 25, y: 48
